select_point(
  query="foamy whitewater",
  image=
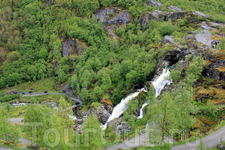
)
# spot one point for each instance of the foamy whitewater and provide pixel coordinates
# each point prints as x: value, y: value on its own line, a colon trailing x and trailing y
x: 159, y: 83
x: 120, y: 108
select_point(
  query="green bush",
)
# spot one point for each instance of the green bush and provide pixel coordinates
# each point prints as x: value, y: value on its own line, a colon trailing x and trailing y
x: 221, y: 45
x: 9, y: 97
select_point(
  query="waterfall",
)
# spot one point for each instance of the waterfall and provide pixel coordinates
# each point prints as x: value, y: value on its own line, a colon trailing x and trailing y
x: 120, y: 108
x: 159, y: 83
x: 141, y: 110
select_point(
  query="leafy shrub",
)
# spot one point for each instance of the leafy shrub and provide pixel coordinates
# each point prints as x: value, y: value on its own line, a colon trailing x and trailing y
x: 167, y: 28
x: 221, y: 45
x: 9, y: 97
x: 181, y: 22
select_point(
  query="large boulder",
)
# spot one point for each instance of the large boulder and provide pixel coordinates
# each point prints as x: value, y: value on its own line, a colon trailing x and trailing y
x: 114, y: 123
x: 123, y: 127
x: 102, y: 114
x: 13, y: 91
x: 119, y: 16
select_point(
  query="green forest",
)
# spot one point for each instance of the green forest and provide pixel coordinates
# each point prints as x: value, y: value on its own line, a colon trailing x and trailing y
x: 30, y: 44
x: 108, y: 61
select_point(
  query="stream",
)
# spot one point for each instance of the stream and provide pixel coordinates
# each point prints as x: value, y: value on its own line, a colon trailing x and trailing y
x: 159, y: 83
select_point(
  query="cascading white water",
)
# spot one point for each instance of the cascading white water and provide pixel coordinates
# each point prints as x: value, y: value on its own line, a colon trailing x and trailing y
x: 120, y: 108
x: 141, y: 110
x: 159, y: 83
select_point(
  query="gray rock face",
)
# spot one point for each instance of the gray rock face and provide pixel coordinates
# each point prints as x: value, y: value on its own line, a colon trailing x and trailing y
x: 114, y: 123
x: 200, y: 14
x: 204, y: 38
x: 205, y: 26
x: 214, y: 24
x: 212, y: 72
x: 167, y: 39
x: 82, y: 114
x: 13, y: 91
x: 220, y: 146
x: 155, y: 3
x: 158, y: 15
x: 146, y: 17
x: 65, y: 49
x: 173, y: 15
x: 73, y: 46
x: 102, y: 114
x: 119, y: 17
x: 111, y: 32
x: 174, y: 8
x: 123, y: 127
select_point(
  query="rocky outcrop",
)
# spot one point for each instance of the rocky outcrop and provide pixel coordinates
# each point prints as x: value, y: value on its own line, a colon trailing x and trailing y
x: 73, y: 46
x: 123, y: 127
x: 173, y: 15
x: 174, y: 8
x: 147, y: 85
x: 13, y: 91
x: 114, y: 123
x: 118, y: 17
x: 50, y: 103
x: 204, y: 38
x: 82, y: 114
x: 153, y: 3
x: 102, y: 112
x: 215, y: 70
x: 197, y: 13
x: 176, y: 13
x: 168, y: 39
x: 111, y: 32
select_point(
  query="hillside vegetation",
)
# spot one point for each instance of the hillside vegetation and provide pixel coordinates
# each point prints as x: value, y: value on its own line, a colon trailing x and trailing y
x: 32, y: 32
x: 103, y: 50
